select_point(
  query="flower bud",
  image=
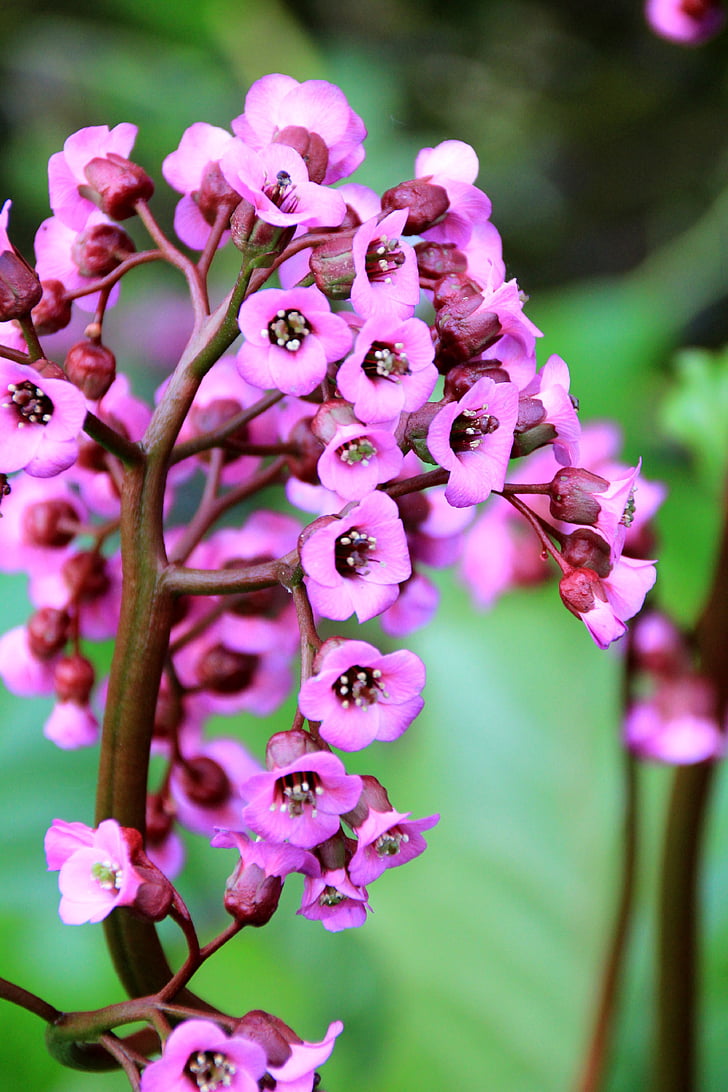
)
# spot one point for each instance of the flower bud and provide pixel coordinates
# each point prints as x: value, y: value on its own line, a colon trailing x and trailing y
x: 215, y: 193
x: 53, y: 312
x: 20, y: 289
x: 156, y: 894
x: 285, y: 747
x: 462, y: 377
x: 86, y: 576
x: 46, y: 523
x: 584, y: 548
x: 332, y: 266
x: 115, y: 185
x: 532, y: 430
x: 311, y: 148
x: 91, y: 368
x: 270, y: 1033
x: 304, y: 464
x: 571, y: 495
x: 204, y: 781
x: 426, y: 201
x: 579, y: 591
x: 48, y: 631
x: 73, y: 679
x: 463, y: 332
x: 100, y: 249
x: 437, y: 260
x: 251, y: 897
x: 257, y: 240
x: 226, y: 671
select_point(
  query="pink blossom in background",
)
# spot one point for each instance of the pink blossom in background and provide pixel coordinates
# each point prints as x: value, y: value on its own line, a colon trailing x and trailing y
x: 415, y: 607
x: 40, y: 420
x: 200, y: 1054
x: 54, y: 251
x: 689, y: 22
x: 96, y: 874
x: 71, y: 725
x: 679, y: 739
x: 359, y: 695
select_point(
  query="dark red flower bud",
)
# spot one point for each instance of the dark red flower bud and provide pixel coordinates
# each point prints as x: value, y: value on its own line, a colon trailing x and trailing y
x: 462, y: 377
x: 427, y: 203
x: 463, y: 331
x: 270, y: 1033
x: 48, y: 631
x: 49, y: 369
x: 100, y: 249
x: 156, y: 894
x: 86, y: 575
x: 20, y: 289
x: 257, y: 240
x: 571, y: 495
x: 584, y: 548
x: 332, y: 266
x: 304, y: 464
x: 53, y: 312
x: 204, y: 781
x: 311, y: 148
x: 438, y: 260
x: 251, y: 897
x: 73, y: 679
x: 215, y: 193
x: 225, y: 671
x: 116, y: 184
x: 91, y: 368
x: 579, y: 590
x: 50, y: 523
x: 285, y: 747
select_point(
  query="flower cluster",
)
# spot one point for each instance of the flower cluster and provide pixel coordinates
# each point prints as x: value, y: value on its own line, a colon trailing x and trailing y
x: 412, y: 444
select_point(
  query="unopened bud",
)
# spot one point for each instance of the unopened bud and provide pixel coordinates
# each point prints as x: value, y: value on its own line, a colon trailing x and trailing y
x: 99, y: 249
x: 426, y: 201
x: 285, y: 747
x: 91, y: 368
x: 311, y: 148
x: 257, y: 240
x: 463, y: 332
x: 116, y: 184
x: 48, y: 631
x: 251, y: 897
x: 226, y: 671
x: 20, y: 289
x: 204, y: 781
x: 532, y: 430
x: 73, y: 679
x: 462, y: 377
x: 270, y: 1033
x: 584, y: 548
x: 215, y: 193
x: 50, y: 524
x: 579, y: 591
x: 572, y: 497
x: 304, y: 464
x: 332, y: 265
x: 437, y: 260
x: 86, y: 575
x: 53, y: 312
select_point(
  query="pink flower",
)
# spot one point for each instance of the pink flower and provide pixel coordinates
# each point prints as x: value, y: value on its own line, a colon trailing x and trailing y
x: 605, y: 604
x: 386, y: 839
x: 96, y: 873
x: 472, y: 439
x: 689, y: 22
x: 355, y: 563
x: 387, y: 280
x: 334, y: 900
x: 390, y: 370
x: 199, y: 1054
x: 67, y: 169
x: 253, y: 890
x: 194, y: 170
x: 300, y: 803
x: 454, y: 166
x: 291, y: 336
x: 297, y: 1073
x: 40, y: 420
x: 71, y: 725
x: 358, y: 459
x: 279, y: 108
x: 359, y: 695
x: 276, y: 183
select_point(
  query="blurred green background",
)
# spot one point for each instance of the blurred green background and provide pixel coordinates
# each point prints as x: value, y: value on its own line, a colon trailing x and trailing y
x: 604, y: 151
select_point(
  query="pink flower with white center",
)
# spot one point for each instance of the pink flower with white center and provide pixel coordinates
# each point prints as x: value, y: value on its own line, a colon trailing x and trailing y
x: 357, y: 459
x: 279, y: 108
x: 67, y: 169
x: 390, y: 370
x: 96, y: 873
x: 200, y: 1055
x: 57, y: 256
x: 472, y: 439
x: 291, y: 336
x: 40, y: 420
x: 355, y: 563
x: 387, y: 280
x: 359, y: 695
x: 416, y: 607
x: 298, y: 1072
x: 300, y: 803
x: 276, y: 183
x: 454, y: 166
x: 71, y: 725
x: 689, y: 22
x: 194, y: 171
x: 386, y: 839
x: 334, y: 900
x: 605, y: 604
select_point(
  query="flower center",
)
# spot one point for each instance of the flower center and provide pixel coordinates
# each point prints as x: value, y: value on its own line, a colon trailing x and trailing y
x: 108, y: 875
x: 288, y: 329
x: 356, y: 451
x: 298, y: 791
x: 386, y: 361
x: 629, y: 510
x: 351, y: 552
x: 383, y: 258
x: 31, y: 404
x: 282, y: 192
x: 470, y: 428
x: 387, y: 844
x: 210, y: 1070
x: 359, y: 685
x: 330, y: 897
